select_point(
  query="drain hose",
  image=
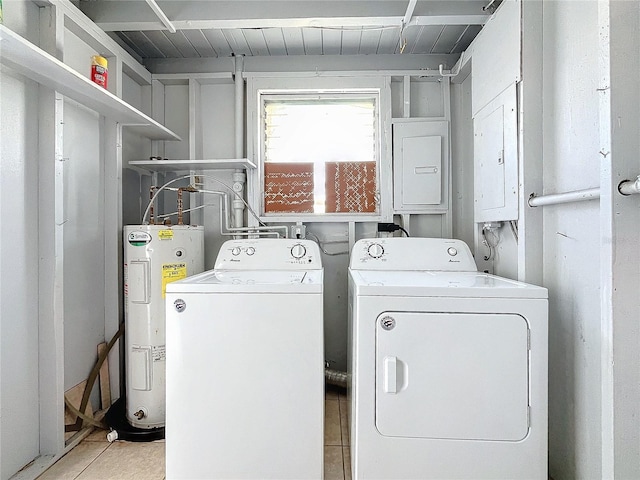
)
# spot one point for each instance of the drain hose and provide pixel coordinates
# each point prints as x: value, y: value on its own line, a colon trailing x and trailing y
x: 334, y: 377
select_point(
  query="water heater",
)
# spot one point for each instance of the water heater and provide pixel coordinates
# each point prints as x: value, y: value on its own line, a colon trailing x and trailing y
x: 154, y: 255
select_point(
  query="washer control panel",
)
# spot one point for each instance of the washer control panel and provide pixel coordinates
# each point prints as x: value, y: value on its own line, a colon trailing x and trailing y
x: 415, y: 254
x: 269, y: 254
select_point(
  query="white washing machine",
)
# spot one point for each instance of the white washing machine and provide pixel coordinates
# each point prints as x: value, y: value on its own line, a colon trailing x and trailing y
x: 245, y: 365
x: 447, y: 366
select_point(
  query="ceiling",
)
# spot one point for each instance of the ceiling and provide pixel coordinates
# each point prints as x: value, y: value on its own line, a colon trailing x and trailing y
x: 213, y: 28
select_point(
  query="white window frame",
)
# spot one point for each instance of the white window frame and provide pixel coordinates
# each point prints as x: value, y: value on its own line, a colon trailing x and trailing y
x: 258, y: 87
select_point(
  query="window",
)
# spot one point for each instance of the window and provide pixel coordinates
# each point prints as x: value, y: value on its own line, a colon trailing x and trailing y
x: 320, y: 153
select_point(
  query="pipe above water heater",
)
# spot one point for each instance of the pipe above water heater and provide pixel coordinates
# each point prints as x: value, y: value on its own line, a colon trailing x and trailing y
x: 239, y: 177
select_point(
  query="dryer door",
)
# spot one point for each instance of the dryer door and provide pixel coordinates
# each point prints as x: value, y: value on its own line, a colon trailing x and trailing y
x: 452, y: 375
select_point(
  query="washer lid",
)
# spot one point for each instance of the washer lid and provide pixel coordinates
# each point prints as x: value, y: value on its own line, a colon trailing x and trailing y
x: 251, y: 281
x: 441, y: 284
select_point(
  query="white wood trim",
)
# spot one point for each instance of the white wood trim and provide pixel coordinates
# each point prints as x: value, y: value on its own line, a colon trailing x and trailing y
x: 202, y: 78
x: 50, y: 190
x: 619, y: 67
x: 111, y: 134
x: 418, y: 119
x: 183, y: 165
x: 195, y: 120
x: 316, y: 22
x: 347, y: 73
x: 406, y: 97
x: 157, y: 112
x: 161, y: 15
x: 381, y: 84
x: 83, y: 27
x: 43, y: 462
x: 447, y: 218
x: 530, y: 151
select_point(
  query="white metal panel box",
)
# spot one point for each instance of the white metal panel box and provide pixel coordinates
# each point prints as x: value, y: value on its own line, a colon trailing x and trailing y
x: 420, y: 166
x: 495, y: 149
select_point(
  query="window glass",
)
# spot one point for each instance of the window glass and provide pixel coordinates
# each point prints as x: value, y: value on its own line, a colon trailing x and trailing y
x: 321, y: 154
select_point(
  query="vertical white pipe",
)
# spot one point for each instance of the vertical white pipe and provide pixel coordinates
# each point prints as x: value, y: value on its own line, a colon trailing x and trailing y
x: 239, y: 177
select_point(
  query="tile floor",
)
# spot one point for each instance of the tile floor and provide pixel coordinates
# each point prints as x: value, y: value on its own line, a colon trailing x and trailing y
x: 96, y: 459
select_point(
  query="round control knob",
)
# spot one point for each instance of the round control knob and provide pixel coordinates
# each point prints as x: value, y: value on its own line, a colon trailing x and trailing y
x: 298, y: 251
x: 375, y: 250
x: 235, y: 251
x: 251, y: 251
x: 452, y: 251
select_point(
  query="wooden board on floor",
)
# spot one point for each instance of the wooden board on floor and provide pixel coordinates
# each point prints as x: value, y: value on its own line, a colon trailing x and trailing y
x: 105, y: 385
x: 74, y: 395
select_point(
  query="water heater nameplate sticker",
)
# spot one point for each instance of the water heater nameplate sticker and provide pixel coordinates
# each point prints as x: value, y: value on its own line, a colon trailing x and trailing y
x: 165, y: 234
x: 172, y: 272
x: 159, y: 353
x: 139, y: 239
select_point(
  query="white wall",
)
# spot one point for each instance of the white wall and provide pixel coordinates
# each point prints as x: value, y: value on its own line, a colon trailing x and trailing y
x: 19, y: 426
x: 32, y: 276
x: 83, y: 243
x: 571, y: 237
x: 84, y: 273
x: 19, y: 433
x: 216, y: 127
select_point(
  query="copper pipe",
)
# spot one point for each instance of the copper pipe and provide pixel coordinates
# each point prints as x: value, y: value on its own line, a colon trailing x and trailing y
x: 180, y: 207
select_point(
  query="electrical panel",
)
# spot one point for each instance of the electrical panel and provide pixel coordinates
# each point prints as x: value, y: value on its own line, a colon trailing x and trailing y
x: 420, y: 166
x: 495, y: 150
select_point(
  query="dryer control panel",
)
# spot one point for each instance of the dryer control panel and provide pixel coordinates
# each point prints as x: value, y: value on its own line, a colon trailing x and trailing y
x: 414, y: 254
x: 269, y: 254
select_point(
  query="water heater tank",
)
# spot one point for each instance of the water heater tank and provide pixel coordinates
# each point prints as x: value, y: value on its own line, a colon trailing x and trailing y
x: 154, y: 255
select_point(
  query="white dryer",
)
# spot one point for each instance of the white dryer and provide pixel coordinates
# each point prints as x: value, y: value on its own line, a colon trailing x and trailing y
x: 245, y: 365
x: 447, y: 366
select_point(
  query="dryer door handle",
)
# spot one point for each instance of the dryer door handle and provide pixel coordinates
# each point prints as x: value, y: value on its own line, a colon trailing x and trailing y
x: 391, y: 374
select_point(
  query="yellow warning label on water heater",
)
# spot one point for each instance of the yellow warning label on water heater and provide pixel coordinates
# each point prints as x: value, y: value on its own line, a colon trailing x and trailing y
x: 172, y: 272
x: 165, y: 234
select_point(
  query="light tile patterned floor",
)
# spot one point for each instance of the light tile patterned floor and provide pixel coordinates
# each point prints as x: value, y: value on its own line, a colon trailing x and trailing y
x: 96, y: 459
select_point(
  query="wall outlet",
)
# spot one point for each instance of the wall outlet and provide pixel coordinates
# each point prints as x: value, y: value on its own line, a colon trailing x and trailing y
x: 298, y: 231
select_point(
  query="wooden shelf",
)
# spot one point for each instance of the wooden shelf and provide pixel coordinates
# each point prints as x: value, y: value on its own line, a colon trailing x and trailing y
x: 34, y: 63
x: 179, y: 165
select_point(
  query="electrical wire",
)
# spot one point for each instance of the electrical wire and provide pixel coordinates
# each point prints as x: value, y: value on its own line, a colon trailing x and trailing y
x: 491, y: 246
x: 405, y: 232
x: 187, y: 210
x: 331, y: 254
x: 514, y: 229
x: 486, y: 242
